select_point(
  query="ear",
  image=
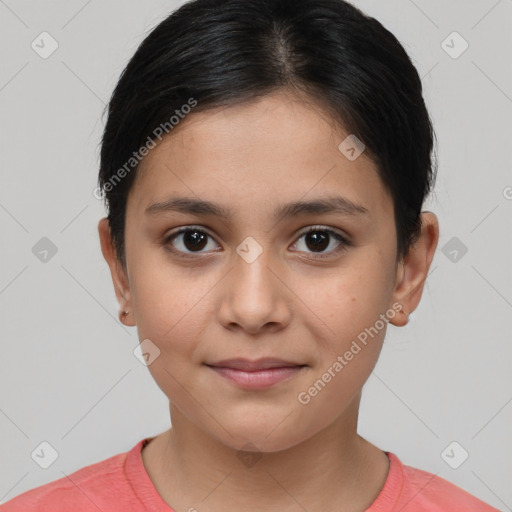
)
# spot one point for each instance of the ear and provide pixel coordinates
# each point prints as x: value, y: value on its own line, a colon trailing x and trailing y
x: 118, y: 273
x: 413, y: 270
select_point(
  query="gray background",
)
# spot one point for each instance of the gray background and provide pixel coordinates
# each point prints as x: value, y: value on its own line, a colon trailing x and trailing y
x: 68, y: 373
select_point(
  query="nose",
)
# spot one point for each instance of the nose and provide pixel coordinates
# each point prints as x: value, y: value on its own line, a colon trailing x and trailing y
x: 255, y: 297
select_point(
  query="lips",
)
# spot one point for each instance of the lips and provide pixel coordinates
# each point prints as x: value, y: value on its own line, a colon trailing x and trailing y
x: 256, y: 375
x: 247, y: 365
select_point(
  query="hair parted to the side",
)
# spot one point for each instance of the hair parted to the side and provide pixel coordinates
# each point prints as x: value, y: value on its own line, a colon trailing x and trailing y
x: 224, y: 52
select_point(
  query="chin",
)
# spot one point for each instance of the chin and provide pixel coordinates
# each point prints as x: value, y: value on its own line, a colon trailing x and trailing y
x: 265, y: 435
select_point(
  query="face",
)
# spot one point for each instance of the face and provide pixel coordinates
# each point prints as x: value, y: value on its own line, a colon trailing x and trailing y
x: 220, y: 266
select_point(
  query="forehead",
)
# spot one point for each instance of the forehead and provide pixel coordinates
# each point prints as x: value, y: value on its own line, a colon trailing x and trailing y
x: 261, y: 154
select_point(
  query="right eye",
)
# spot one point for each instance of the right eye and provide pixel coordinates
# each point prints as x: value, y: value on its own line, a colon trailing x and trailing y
x: 191, y: 239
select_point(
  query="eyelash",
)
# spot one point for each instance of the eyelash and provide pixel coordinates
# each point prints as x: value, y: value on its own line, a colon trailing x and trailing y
x: 344, y: 243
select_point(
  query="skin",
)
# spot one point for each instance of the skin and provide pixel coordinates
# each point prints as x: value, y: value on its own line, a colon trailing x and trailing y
x: 252, y: 158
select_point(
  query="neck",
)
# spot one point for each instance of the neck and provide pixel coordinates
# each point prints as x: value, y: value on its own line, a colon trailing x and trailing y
x: 335, y: 469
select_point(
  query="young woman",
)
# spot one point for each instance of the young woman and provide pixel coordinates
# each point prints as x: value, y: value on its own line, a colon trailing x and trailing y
x: 264, y: 164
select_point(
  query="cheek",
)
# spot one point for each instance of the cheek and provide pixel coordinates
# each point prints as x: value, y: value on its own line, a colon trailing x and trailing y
x: 169, y: 307
x: 171, y: 314
x: 350, y: 298
x: 350, y: 331
x: 351, y: 308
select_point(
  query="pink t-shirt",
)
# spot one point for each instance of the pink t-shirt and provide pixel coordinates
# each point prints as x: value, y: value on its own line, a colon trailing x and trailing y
x: 120, y: 483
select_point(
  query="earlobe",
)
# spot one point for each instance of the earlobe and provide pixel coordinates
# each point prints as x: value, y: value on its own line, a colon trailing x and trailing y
x: 117, y: 272
x: 401, y: 316
x: 412, y: 272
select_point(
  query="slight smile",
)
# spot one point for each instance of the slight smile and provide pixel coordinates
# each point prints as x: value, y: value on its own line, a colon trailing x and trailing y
x: 259, y: 374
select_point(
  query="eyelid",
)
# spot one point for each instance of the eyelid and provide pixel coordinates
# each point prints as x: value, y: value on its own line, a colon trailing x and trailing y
x: 168, y: 238
x: 321, y: 227
x: 342, y: 238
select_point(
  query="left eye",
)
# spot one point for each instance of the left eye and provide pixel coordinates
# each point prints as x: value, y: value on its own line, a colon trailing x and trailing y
x: 319, y: 238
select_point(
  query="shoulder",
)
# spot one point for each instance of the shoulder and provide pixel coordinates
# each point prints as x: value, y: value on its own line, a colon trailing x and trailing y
x: 424, y: 491
x: 91, y: 488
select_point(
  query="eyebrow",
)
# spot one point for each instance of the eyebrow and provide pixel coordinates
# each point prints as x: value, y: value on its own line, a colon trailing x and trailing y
x: 338, y: 204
